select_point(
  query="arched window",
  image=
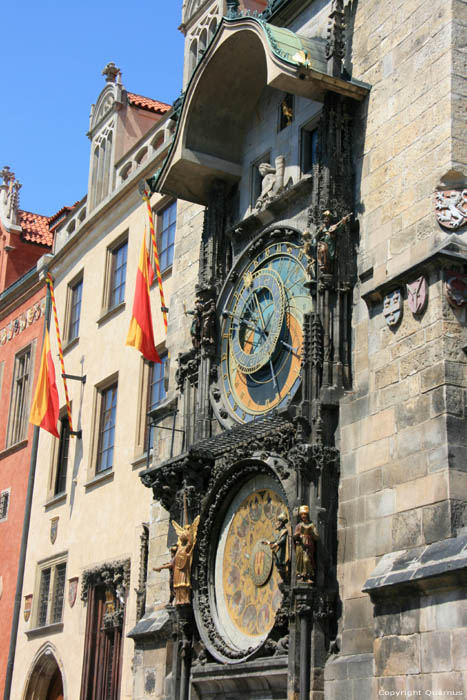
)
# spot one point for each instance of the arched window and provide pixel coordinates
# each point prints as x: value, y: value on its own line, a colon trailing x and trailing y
x: 193, y: 55
x: 203, y: 40
x: 212, y: 27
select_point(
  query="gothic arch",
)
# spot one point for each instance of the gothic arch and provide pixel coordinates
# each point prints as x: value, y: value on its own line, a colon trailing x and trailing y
x: 44, y: 675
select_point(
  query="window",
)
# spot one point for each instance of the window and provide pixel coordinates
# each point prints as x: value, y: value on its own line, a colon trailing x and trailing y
x: 156, y: 390
x: 108, y: 411
x: 309, y: 148
x: 117, y: 275
x: 75, y: 296
x: 166, y: 222
x: 62, y: 458
x: 286, y: 113
x: 20, y: 394
x: 4, y: 504
x: 51, y: 593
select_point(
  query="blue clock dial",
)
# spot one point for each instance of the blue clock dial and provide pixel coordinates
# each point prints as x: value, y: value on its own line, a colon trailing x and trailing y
x: 262, y: 319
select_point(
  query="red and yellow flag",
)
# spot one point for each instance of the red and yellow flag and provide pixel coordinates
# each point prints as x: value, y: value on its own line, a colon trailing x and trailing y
x: 45, y: 406
x: 140, y: 334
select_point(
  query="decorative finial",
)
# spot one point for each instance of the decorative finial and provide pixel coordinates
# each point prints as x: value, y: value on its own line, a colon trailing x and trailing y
x: 335, y: 45
x: 232, y: 8
x: 111, y: 72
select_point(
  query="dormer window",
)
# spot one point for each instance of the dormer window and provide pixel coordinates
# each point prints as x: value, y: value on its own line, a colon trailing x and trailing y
x: 101, y: 166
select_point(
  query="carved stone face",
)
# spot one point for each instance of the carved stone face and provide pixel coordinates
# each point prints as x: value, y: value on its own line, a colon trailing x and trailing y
x: 304, y: 517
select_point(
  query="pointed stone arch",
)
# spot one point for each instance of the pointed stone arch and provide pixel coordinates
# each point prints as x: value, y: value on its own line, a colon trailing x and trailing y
x: 46, y: 678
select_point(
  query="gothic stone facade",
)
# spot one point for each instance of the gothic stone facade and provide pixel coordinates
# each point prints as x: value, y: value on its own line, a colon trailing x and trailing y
x: 347, y: 393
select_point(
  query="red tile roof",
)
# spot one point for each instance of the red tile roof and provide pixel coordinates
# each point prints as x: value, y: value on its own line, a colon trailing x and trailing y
x: 147, y: 103
x: 35, y: 228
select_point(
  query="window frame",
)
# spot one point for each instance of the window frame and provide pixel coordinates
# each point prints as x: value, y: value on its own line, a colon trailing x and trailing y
x: 116, y: 245
x: 54, y: 565
x: 306, y: 130
x: 164, y: 356
x: 69, y: 321
x: 159, y: 214
x: 13, y: 435
x: 5, y: 495
x: 97, y: 418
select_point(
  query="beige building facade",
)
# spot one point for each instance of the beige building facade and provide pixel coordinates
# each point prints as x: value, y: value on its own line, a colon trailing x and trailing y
x: 87, y: 551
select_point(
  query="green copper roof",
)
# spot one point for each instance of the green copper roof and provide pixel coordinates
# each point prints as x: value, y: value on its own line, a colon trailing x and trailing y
x: 290, y: 47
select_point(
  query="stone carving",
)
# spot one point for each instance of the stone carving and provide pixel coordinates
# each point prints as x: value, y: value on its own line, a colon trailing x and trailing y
x: 53, y: 530
x: 273, y: 182
x: 19, y: 324
x: 182, y: 561
x: 325, y: 241
x: 417, y: 295
x: 309, y: 250
x: 335, y: 45
x: 392, y: 307
x: 196, y: 324
x: 456, y: 288
x: 305, y: 536
x: 10, y: 201
x: 208, y: 327
x: 72, y: 590
x: 116, y: 574
x: 27, y: 607
x: 451, y: 208
x: 111, y: 72
x: 279, y: 546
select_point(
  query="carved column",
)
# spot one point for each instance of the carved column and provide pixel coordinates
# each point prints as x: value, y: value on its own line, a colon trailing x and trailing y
x: 214, y: 252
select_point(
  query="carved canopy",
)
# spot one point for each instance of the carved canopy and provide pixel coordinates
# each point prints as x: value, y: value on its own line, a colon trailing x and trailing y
x: 245, y: 55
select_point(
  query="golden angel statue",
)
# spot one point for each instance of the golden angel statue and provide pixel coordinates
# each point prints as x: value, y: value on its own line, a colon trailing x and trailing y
x: 181, y: 562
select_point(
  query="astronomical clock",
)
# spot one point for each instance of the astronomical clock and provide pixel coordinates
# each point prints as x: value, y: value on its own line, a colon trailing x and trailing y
x: 262, y: 309
x: 254, y: 596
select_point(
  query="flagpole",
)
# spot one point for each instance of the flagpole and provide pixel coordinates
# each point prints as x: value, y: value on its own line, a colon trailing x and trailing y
x: 156, y: 258
x: 50, y: 286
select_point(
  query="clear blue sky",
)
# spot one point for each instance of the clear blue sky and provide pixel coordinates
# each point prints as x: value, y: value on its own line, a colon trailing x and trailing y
x: 52, y: 57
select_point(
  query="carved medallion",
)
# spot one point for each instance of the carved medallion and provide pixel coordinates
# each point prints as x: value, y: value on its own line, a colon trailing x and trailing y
x: 456, y: 288
x: 417, y: 295
x: 72, y: 590
x: 260, y: 563
x: 53, y: 530
x: 249, y: 580
x: 27, y: 607
x: 451, y: 208
x: 392, y: 307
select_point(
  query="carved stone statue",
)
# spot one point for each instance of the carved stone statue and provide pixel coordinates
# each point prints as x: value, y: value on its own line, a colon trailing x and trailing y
x: 305, y: 536
x: 273, y: 182
x: 208, y: 329
x: 181, y: 561
x: 279, y: 545
x: 309, y: 250
x: 195, y: 329
x: 326, y: 241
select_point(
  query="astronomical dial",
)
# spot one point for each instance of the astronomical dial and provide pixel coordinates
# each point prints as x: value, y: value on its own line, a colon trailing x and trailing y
x: 246, y: 578
x: 262, y: 320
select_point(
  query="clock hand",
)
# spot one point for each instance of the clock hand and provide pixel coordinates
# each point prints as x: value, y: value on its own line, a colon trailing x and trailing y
x: 259, y: 310
x: 289, y: 347
x: 273, y: 374
x: 227, y: 313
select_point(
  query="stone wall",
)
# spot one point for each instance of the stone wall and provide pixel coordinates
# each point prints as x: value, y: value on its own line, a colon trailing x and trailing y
x: 403, y: 438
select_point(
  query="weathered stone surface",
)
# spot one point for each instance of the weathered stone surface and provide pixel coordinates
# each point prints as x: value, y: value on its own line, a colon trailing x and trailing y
x: 358, y: 613
x: 407, y: 529
x: 437, y: 522
x: 397, y: 655
x: 435, y: 651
